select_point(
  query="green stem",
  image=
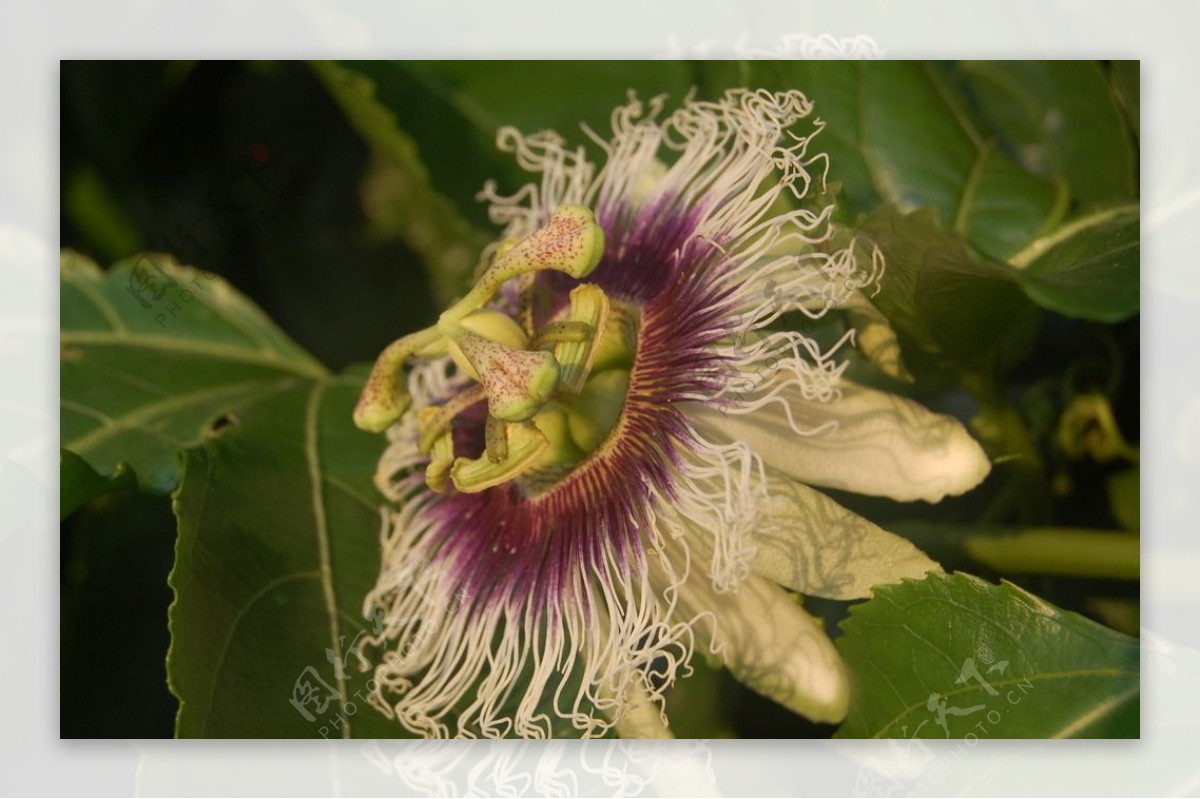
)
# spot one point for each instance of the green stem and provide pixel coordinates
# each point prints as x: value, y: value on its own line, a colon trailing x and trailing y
x: 1062, y: 551
x: 1071, y: 552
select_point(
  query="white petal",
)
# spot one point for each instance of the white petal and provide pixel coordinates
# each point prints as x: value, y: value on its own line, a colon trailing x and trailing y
x: 875, y: 337
x: 642, y: 717
x: 868, y: 441
x: 809, y: 543
x: 770, y: 645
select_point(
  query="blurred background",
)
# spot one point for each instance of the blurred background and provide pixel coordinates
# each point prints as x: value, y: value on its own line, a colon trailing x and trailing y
x: 257, y: 172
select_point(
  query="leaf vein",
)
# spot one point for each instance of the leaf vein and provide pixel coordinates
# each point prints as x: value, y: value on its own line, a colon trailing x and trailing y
x: 312, y: 455
x: 190, y: 347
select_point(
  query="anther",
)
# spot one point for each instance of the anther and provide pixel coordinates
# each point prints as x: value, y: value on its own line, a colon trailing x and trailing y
x: 569, y: 242
x: 384, y: 397
x: 524, y: 444
x: 517, y: 382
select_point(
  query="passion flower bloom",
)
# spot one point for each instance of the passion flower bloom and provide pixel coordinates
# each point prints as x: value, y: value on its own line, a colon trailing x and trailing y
x: 601, y: 455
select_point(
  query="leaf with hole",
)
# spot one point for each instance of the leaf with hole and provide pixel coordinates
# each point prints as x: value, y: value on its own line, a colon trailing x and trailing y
x: 154, y: 356
x: 278, y: 544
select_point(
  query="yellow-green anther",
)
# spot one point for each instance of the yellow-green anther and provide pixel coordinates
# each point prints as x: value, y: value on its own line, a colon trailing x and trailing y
x: 525, y: 444
x: 518, y: 382
x: 384, y: 397
x: 435, y: 420
x: 495, y: 436
x: 589, y: 306
x: 569, y: 242
x: 493, y: 326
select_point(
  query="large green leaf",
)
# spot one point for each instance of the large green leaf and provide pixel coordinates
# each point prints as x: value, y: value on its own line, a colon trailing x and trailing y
x: 954, y: 305
x: 278, y: 518
x: 559, y: 95
x: 1061, y: 120
x: 155, y: 356
x: 278, y: 544
x: 952, y: 655
x: 1090, y: 269
x: 900, y: 133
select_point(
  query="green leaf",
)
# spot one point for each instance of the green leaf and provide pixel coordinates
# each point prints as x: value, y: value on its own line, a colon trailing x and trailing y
x: 1060, y: 120
x: 1003, y: 205
x: 559, y: 95
x: 955, y: 306
x: 155, y: 356
x: 79, y: 483
x: 985, y: 660
x: 455, y: 141
x: 1089, y: 269
x: 276, y: 511
x: 900, y: 133
x: 278, y: 544
x: 918, y: 151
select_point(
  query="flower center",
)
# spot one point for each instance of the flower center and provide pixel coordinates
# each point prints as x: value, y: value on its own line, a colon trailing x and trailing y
x: 553, y: 390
